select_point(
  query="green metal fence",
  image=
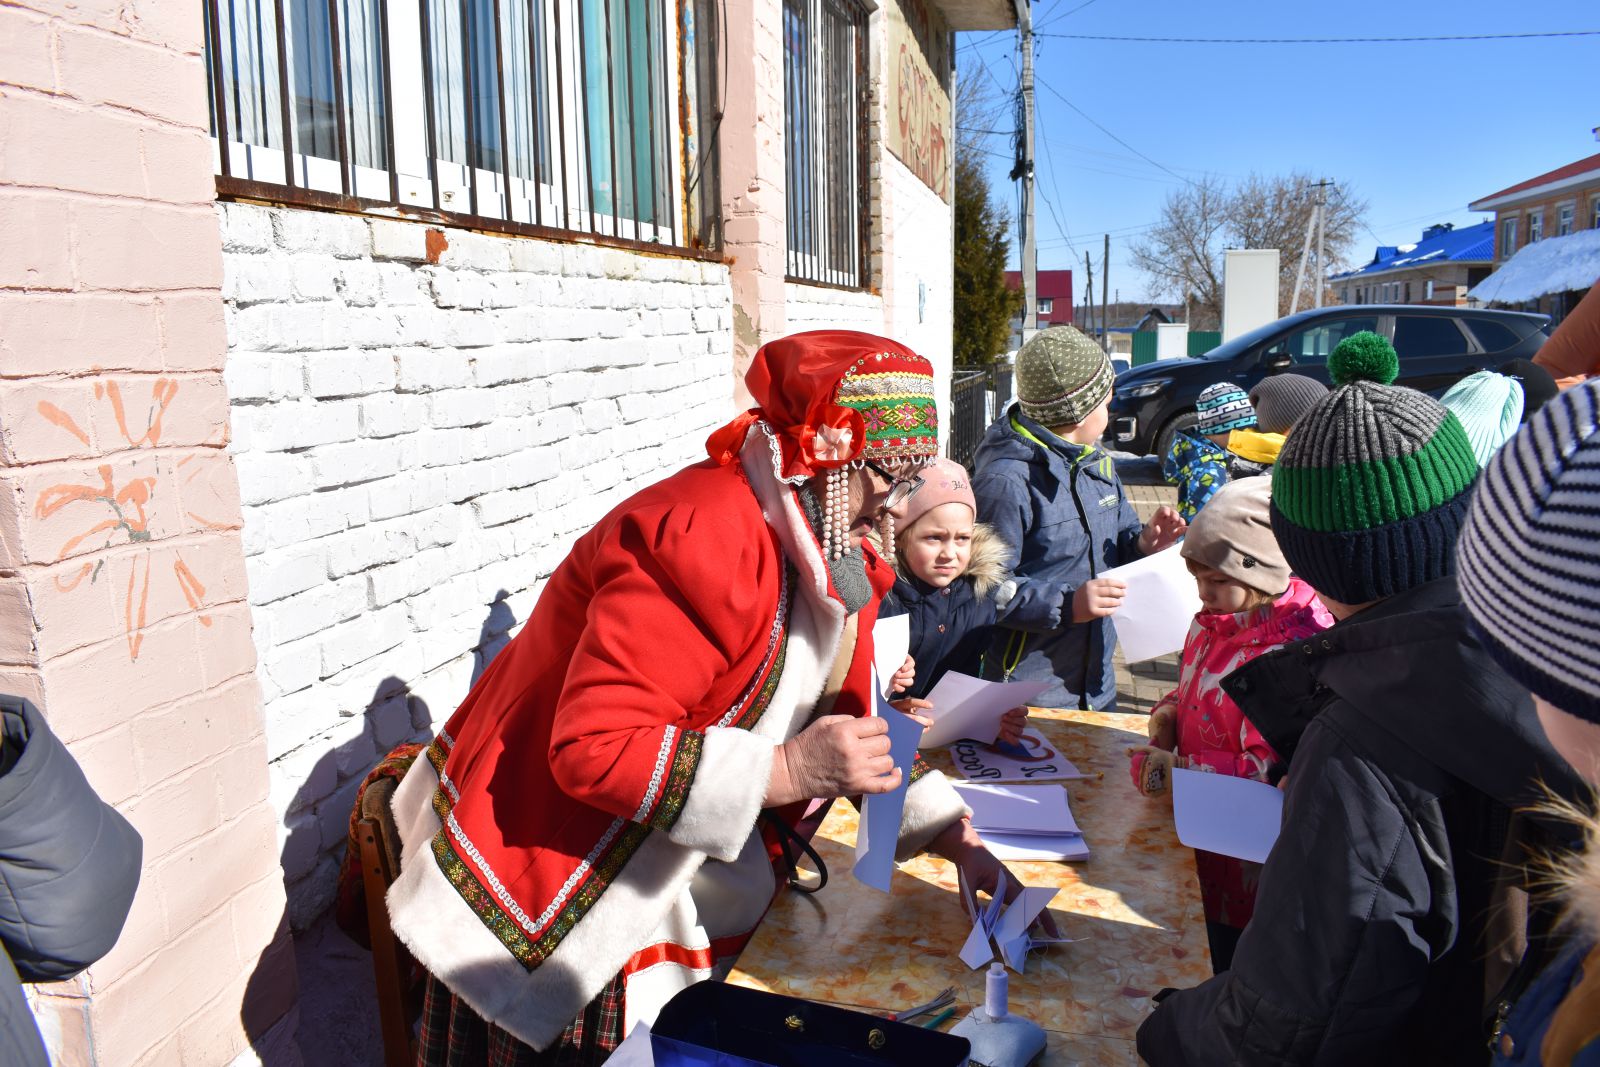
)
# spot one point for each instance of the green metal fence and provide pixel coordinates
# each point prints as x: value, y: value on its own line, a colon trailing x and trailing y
x: 1200, y: 342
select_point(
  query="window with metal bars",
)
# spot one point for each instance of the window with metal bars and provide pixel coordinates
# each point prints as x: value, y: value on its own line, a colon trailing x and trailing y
x: 586, y: 116
x: 824, y: 95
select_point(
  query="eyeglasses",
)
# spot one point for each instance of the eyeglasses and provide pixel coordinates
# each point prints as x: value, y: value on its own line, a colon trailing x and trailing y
x: 900, y: 490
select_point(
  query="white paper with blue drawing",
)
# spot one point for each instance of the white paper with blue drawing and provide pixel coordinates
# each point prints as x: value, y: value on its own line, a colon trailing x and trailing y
x: 878, y: 829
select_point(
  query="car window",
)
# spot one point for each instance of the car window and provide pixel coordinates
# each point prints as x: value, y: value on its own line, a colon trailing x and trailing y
x: 1313, y: 343
x: 1416, y: 336
x: 1493, y: 335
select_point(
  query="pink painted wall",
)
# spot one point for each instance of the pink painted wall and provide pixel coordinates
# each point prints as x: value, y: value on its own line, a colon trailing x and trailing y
x: 122, y: 583
x: 753, y: 182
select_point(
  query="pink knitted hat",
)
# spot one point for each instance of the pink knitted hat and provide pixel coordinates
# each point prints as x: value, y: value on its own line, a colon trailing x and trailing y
x: 944, y: 481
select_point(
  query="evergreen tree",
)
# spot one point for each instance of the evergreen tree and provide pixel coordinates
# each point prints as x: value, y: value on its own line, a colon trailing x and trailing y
x: 984, y: 304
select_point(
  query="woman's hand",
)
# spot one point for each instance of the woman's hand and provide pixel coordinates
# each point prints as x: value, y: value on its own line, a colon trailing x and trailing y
x: 836, y: 756
x: 905, y: 677
x: 1162, y: 531
x: 913, y: 708
x: 960, y: 844
x: 1012, y: 724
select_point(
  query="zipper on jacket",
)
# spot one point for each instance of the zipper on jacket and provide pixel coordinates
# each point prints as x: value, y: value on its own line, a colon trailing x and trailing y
x: 1083, y: 519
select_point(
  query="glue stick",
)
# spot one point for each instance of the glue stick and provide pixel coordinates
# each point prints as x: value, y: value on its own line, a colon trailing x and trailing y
x: 994, y: 1003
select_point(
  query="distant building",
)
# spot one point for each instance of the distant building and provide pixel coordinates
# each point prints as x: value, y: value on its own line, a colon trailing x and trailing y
x: 1054, y: 300
x: 1439, y: 269
x: 1559, y: 206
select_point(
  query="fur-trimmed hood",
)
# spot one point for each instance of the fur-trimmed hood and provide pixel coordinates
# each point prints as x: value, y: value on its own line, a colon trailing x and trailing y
x: 986, y: 567
x: 1577, y: 876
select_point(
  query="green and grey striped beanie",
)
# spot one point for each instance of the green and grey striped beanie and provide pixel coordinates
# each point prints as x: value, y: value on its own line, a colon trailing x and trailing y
x: 1372, y: 487
x: 1061, y: 377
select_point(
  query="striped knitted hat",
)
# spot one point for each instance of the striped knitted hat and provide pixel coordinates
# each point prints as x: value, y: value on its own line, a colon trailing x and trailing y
x: 1223, y: 407
x: 1061, y: 377
x: 1530, y: 568
x: 1372, y: 487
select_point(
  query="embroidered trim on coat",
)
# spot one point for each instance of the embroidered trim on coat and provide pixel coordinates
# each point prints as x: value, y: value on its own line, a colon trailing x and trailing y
x: 492, y: 902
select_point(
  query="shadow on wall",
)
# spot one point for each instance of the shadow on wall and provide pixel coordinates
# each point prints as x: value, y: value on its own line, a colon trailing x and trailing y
x: 329, y: 974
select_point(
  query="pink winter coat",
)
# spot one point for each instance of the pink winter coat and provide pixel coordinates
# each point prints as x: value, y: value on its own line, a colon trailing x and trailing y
x: 1213, y: 733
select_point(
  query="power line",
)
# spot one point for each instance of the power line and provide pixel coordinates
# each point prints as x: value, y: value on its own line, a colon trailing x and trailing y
x: 1065, y: 15
x: 1320, y: 40
x: 1108, y: 133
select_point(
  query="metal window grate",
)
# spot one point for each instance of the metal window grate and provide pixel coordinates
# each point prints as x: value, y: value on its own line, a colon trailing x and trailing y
x: 549, y: 118
x: 825, y: 120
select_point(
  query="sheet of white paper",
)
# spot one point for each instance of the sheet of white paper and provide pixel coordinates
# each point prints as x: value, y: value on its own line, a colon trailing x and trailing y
x: 879, y: 825
x: 1058, y: 847
x: 1011, y: 933
x: 891, y: 642
x: 964, y: 706
x: 978, y: 762
x: 636, y: 1050
x: 1019, y: 809
x: 1159, y: 606
x: 1226, y: 815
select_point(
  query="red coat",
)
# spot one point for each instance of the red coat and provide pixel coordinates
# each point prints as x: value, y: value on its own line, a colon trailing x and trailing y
x: 621, y: 739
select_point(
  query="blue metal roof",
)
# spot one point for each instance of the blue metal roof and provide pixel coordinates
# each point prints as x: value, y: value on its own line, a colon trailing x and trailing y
x: 1437, y: 246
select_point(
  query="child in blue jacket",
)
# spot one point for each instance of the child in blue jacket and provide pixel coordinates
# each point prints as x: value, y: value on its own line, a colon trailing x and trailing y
x: 1055, y: 500
x: 1197, y: 462
x: 950, y: 568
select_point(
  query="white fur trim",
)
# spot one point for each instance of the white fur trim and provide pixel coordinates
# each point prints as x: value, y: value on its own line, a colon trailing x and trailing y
x: 452, y: 943
x: 725, y: 797
x: 932, y: 804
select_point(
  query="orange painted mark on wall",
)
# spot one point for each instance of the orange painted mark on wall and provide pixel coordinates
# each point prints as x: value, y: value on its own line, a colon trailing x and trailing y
x: 435, y: 243
x: 113, y: 512
x: 62, y: 419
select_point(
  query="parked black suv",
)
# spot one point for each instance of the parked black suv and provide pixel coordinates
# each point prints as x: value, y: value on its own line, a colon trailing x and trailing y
x: 1438, y: 346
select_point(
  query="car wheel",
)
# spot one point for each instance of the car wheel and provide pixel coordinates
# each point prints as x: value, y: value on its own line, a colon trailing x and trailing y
x: 1184, y: 420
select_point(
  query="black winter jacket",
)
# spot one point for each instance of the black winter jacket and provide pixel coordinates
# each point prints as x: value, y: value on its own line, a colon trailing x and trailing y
x: 950, y: 627
x: 69, y: 865
x: 1408, y: 749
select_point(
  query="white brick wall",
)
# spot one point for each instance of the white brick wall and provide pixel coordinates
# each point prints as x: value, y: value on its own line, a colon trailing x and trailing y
x: 919, y: 285
x: 418, y: 444
x: 820, y: 307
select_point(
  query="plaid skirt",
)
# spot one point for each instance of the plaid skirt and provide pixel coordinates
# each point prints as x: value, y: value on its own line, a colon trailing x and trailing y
x: 453, y: 1035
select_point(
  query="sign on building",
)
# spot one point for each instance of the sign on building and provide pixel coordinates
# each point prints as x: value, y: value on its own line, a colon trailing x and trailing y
x: 920, y: 133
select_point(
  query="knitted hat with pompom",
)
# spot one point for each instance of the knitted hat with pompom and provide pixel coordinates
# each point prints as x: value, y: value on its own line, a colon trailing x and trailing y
x: 1370, y: 491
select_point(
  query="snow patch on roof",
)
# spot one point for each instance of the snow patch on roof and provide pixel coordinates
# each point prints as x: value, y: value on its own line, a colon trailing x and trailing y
x: 1554, y: 265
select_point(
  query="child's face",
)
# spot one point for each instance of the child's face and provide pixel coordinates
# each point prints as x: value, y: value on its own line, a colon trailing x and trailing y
x: 1219, y: 594
x: 938, y: 546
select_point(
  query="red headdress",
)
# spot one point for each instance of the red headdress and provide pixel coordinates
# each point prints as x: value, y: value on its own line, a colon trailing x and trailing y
x: 833, y: 395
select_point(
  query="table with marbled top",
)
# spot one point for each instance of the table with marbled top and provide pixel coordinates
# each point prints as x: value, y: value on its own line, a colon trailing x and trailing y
x: 1134, y: 904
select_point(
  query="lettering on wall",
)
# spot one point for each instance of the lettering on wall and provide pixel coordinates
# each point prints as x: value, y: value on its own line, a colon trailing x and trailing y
x: 919, y: 93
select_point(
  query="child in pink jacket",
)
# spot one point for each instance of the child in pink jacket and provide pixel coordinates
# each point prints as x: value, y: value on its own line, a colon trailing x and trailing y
x: 1250, y: 605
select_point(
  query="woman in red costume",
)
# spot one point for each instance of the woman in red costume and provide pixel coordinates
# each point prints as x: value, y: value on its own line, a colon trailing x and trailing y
x: 582, y: 840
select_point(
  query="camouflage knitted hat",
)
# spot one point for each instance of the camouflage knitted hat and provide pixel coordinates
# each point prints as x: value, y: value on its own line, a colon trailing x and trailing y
x: 1372, y: 487
x: 1061, y: 377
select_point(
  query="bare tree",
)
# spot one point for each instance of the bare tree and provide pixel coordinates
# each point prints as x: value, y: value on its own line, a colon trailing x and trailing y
x: 1183, y: 253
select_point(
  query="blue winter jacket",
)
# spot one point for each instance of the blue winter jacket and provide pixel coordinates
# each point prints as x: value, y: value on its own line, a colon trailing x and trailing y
x: 1064, y: 509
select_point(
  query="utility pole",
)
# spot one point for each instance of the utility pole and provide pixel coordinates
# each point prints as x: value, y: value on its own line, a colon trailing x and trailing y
x: 1305, y: 250
x: 1024, y: 170
x: 1322, y: 210
x: 1105, y: 275
x: 1088, y: 292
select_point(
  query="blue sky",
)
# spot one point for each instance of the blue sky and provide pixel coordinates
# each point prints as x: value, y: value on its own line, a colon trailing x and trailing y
x: 1418, y: 129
